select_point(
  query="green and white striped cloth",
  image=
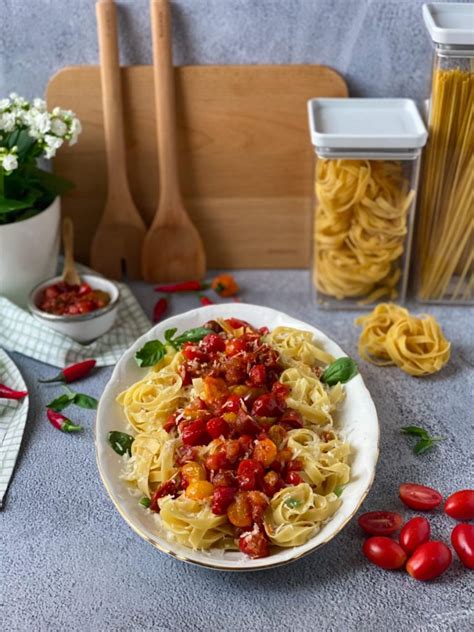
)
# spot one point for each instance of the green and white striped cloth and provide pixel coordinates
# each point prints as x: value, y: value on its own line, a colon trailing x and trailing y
x: 21, y: 332
x: 12, y: 421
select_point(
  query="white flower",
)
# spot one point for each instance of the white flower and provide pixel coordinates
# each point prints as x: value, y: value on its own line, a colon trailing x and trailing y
x: 75, y: 129
x: 8, y: 159
x: 18, y: 101
x: 7, y: 121
x: 4, y: 104
x: 39, y: 104
x: 52, y: 144
x: 39, y: 122
x: 58, y: 126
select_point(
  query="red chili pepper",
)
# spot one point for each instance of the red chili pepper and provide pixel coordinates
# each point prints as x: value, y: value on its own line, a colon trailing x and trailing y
x: 160, y: 308
x: 73, y: 372
x: 204, y: 300
x: 8, y: 393
x: 185, y: 286
x: 61, y: 422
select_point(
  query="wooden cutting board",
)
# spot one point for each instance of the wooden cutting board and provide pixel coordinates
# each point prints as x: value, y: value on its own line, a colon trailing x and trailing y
x: 245, y: 155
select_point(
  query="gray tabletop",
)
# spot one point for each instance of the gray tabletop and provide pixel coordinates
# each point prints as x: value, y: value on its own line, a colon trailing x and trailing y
x: 68, y: 561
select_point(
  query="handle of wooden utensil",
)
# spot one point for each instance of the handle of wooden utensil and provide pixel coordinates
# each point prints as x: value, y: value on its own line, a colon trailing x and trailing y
x: 69, y: 271
x: 170, y: 195
x: 111, y: 91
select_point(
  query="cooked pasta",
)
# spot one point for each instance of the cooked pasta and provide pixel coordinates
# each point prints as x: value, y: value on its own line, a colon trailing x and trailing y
x: 360, y: 227
x: 391, y: 335
x: 446, y: 209
x: 236, y: 444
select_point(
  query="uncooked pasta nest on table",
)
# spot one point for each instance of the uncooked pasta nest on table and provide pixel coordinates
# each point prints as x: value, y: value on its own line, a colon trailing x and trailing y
x: 391, y: 335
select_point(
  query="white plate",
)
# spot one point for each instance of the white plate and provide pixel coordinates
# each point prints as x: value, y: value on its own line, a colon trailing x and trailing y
x: 13, y: 416
x: 357, y: 421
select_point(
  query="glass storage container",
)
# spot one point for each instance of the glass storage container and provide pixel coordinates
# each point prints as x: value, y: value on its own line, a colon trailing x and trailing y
x: 445, y: 229
x: 366, y: 172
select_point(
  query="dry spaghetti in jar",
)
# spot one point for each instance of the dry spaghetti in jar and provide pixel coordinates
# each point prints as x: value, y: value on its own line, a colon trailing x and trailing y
x: 367, y: 163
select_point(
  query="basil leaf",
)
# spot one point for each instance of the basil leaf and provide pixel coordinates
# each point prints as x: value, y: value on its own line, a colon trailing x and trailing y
x: 415, y: 431
x: 192, y: 335
x: 61, y: 402
x: 292, y: 502
x: 338, y: 490
x: 85, y: 401
x: 341, y: 370
x: 169, y: 333
x: 144, y: 501
x: 426, y: 444
x: 121, y: 442
x: 151, y: 353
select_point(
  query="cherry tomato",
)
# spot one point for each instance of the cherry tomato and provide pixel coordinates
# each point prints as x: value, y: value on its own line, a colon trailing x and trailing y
x: 380, y: 522
x: 218, y: 427
x: 245, y: 424
x: 232, y: 404
x: 249, y: 474
x: 419, y: 497
x: 462, y: 539
x: 254, y: 544
x: 193, y: 352
x: 293, y: 478
x: 216, y: 462
x: 213, y: 343
x: 460, y: 505
x: 239, y: 512
x: 415, y: 532
x: 258, y: 375
x: 165, y: 489
x: 235, y: 346
x: 429, y: 560
x: 221, y: 499
x: 258, y: 503
x: 384, y: 552
x: 292, y: 419
x: 195, y: 433
x: 272, y: 483
x: 265, y: 451
x: 267, y: 405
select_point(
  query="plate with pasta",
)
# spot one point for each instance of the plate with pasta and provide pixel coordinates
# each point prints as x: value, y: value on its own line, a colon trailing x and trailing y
x: 236, y: 437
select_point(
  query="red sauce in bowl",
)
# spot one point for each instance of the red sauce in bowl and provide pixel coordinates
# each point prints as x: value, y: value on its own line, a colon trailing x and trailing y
x: 71, y: 300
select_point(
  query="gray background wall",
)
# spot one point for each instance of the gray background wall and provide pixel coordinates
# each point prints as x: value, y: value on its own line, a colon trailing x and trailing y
x: 380, y: 46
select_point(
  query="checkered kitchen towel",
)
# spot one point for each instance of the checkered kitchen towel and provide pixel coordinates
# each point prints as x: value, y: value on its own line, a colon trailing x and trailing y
x: 19, y: 331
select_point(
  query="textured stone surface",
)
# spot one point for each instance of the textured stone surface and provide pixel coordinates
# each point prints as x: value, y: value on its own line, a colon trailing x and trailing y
x: 380, y: 46
x: 68, y: 561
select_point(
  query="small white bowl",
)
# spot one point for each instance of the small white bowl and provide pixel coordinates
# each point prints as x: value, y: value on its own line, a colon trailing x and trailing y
x: 82, y: 328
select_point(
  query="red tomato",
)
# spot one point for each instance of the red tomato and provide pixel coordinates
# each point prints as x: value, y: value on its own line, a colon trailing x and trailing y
x: 462, y: 539
x: 195, y: 433
x: 292, y: 418
x: 293, y: 478
x: 216, y: 462
x: 460, y: 505
x: 429, y: 560
x: 254, y: 544
x: 380, y: 522
x: 218, y: 427
x: 232, y: 405
x: 235, y: 346
x: 221, y: 499
x: 192, y: 352
x: 384, y: 552
x: 419, y: 497
x: 258, y: 375
x: 415, y: 532
x: 249, y: 474
x: 267, y: 406
x: 213, y: 343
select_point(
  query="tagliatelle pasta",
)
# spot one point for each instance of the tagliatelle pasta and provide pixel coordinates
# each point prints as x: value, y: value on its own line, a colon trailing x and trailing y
x: 236, y: 444
x: 391, y: 335
x: 360, y: 227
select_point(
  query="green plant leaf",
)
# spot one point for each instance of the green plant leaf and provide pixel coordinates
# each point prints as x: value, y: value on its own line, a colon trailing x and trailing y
x: 85, y: 401
x: 426, y: 444
x: 191, y: 335
x: 150, y: 354
x: 50, y: 182
x: 121, y: 442
x: 341, y: 370
x: 415, y: 431
x: 144, y: 501
x: 338, y: 490
x: 8, y: 205
x: 61, y: 402
x: 292, y: 502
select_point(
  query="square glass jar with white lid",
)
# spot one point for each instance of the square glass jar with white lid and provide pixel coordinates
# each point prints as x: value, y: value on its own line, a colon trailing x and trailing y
x: 445, y: 231
x: 367, y: 155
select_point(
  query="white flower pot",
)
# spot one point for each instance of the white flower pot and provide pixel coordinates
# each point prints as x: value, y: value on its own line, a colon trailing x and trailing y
x: 29, y: 253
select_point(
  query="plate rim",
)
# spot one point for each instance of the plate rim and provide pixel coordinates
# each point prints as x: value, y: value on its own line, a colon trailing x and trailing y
x: 225, y: 307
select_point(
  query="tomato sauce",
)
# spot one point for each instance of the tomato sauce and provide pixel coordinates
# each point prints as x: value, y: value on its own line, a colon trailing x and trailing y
x: 62, y: 299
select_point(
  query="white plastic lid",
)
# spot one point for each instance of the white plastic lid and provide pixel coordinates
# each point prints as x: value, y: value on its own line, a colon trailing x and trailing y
x: 366, y: 124
x: 450, y: 24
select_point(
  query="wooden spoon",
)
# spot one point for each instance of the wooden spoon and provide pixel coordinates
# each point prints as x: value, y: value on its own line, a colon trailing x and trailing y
x: 173, y: 248
x: 119, y: 238
x: 70, y: 274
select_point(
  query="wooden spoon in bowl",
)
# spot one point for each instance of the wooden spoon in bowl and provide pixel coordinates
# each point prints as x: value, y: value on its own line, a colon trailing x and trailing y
x: 119, y: 238
x: 173, y: 249
x: 70, y: 274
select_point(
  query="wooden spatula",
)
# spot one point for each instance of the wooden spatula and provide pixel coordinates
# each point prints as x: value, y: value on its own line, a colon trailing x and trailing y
x: 173, y: 248
x: 70, y: 274
x: 119, y: 239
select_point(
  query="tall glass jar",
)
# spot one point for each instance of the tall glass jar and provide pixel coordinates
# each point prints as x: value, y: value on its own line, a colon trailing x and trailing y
x: 366, y: 172
x: 445, y: 231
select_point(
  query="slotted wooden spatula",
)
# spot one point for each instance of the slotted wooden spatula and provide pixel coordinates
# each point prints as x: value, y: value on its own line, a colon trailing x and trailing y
x: 117, y: 245
x: 70, y: 274
x: 173, y: 248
